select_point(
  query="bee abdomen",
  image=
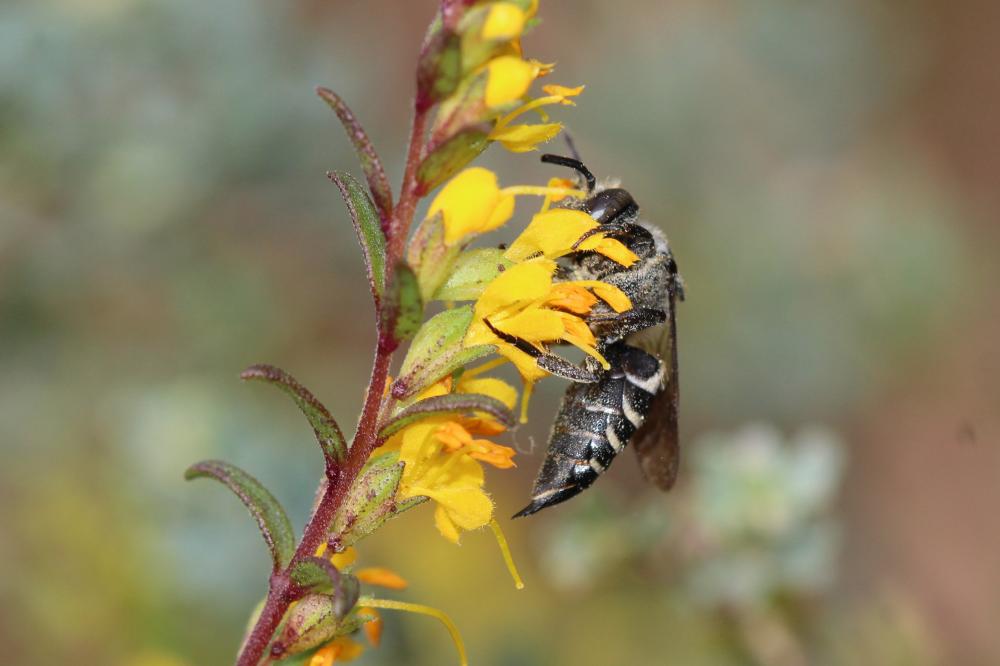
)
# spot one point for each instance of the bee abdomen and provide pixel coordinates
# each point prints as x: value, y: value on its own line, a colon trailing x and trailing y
x: 594, y: 423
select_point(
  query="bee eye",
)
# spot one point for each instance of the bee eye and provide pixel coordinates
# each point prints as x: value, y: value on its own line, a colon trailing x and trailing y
x: 609, y: 204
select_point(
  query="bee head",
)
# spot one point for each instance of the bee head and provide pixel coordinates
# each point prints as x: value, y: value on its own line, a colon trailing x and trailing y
x: 605, y: 206
x: 608, y: 205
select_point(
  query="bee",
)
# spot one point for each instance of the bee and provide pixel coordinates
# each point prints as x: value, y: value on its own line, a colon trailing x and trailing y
x: 634, y: 401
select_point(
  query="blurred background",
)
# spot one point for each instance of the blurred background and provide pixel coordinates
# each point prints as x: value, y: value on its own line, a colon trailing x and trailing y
x: 826, y: 172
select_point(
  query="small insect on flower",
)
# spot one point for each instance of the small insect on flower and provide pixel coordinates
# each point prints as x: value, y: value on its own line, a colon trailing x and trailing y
x: 634, y: 398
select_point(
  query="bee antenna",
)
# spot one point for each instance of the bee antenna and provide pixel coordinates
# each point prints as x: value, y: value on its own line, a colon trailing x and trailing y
x: 571, y: 145
x: 574, y: 164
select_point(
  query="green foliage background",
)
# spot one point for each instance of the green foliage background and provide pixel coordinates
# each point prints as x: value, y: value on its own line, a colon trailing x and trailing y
x: 823, y: 171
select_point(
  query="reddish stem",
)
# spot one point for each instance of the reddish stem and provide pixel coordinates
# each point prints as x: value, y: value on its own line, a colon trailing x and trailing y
x: 281, y: 593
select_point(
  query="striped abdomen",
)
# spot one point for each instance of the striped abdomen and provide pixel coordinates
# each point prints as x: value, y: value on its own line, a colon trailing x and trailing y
x: 594, y: 423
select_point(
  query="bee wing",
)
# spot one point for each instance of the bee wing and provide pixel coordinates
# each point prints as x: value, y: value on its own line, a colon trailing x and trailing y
x: 656, y: 442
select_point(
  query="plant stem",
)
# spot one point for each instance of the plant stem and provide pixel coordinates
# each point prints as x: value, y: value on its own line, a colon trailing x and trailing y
x: 409, y: 195
x: 270, y: 617
x: 339, y: 480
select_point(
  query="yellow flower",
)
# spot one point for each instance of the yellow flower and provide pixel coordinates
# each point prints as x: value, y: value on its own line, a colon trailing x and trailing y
x: 442, y: 458
x: 553, y: 232
x: 453, y: 481
x: 524, y: 137
x: 524, y: 303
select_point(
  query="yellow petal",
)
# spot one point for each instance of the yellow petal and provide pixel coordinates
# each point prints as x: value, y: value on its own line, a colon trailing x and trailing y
x: 442, y: 387
x: 613, y: 296
x: 373, y: 626
x: 323, y: 656
x: 523, y: 138
x: 471, y: 203
x: 521, y: 283
x: 490, y: 386
x: 479, y: 334
x: 465, y: 508
x: 382, y: 577
x: 453, y: 436
x: 556, y: 184
x: 526, y: 365
x: 534, y: 325
x: 501, y: 457
x: 446, y: 526
x: 552, y: 232
x: 509, y: 78
x: 501, y: 213
x: 571, y: 297
x: 614, y: 251
x: 342, y: 648
x: 504, y: 21
x: 447, y: 471
x: 562, y: 91
x: 344, y: 559
x: 576, y: 327
x: 482, y: 423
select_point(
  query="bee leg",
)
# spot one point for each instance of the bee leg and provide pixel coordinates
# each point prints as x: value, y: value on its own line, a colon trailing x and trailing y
x: 551, y: 363
x: 560, y: 367
x: 607, y: 229
x: 616, y: 229
x: 616, y: 326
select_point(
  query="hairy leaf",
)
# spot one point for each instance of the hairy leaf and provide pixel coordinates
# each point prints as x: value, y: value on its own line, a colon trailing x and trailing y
x: 265, y: 509
x: 318, y: 575
x: 370, y: 502
x: 436, y: 351
x: 368, y: 227
x: 310, y: 623
x: 378, y: 184
x: 328, y: 434
x: 439, y: 69
x: 446, y: 160
x: 403, y: 307
x: 430, y: 257
x: 450, y: 403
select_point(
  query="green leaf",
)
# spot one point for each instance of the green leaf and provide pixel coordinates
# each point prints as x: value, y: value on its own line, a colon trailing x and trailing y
x: 318, y: 575
x: 313, y: 621
x: 265, y: 509
x: 370, y: 502
x: 367, y: 226
x: 378, y: 184
x: 448, y: 159
x: 430, y: 257
x: 470, y: 273
x: 466, y: 403
x: 436, y: 351
x: 403, y: 308
x: 439, y: 69
x: 328, y: 434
